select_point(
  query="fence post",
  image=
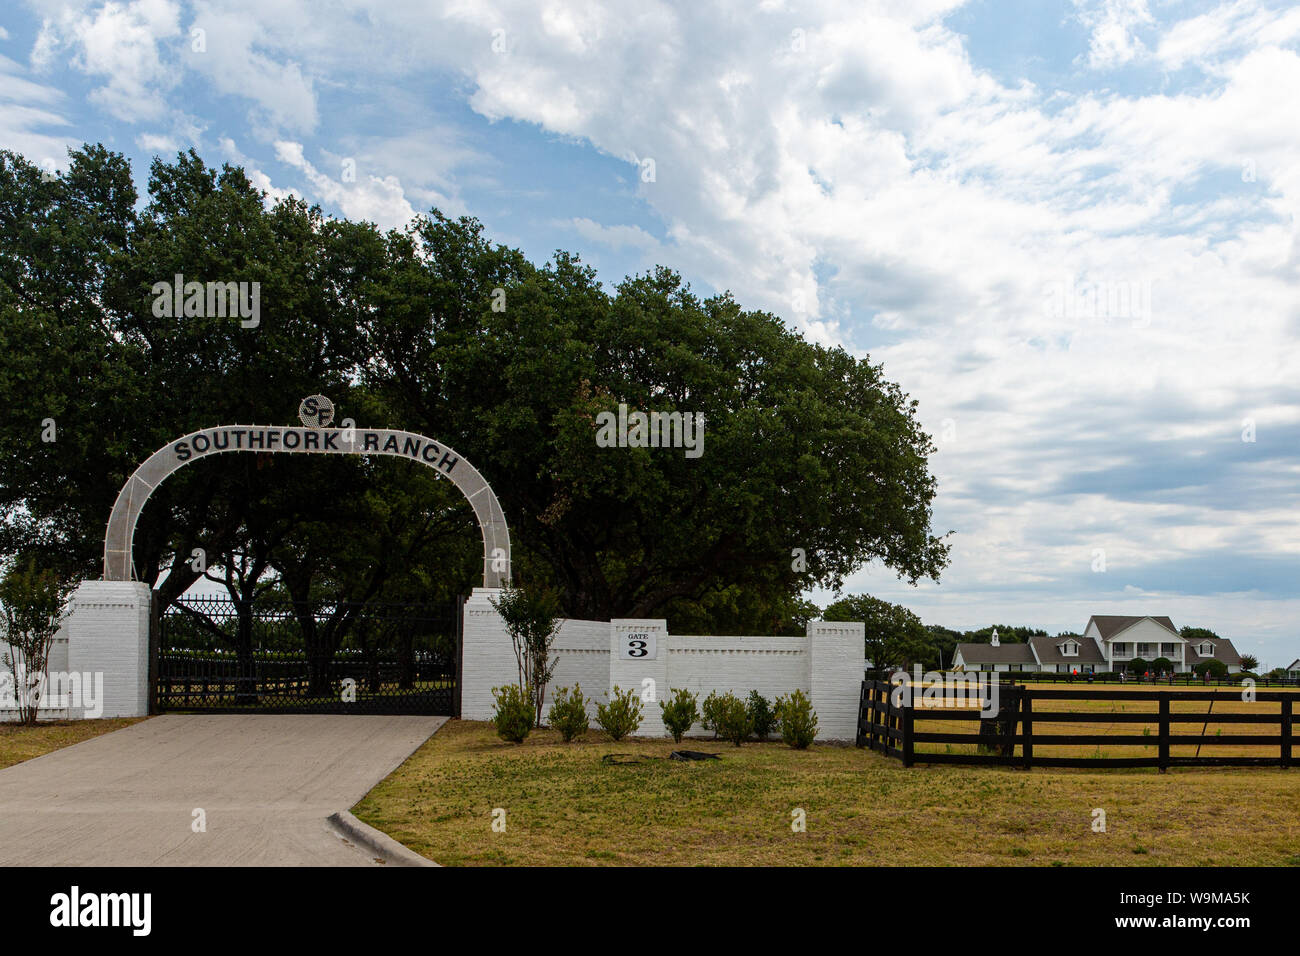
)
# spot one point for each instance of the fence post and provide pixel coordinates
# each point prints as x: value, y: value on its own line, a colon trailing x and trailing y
x: 860, y: 739
x: 1027, y: 720
x: 877, y: 719
x: 1163, y: 748
x: 909, y: 710
x: 1286, y: 732
x: 1008, y: 715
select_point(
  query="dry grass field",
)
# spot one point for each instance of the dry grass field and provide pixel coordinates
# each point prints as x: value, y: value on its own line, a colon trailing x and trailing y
x: 23, y: 743
x: 564, y: 805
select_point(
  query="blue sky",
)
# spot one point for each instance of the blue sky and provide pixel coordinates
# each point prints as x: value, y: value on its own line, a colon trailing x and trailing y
x: 1068, y: 229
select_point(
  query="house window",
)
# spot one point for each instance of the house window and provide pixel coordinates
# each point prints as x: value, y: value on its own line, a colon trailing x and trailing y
x: 1069, y: 649
x: 1206, y: 650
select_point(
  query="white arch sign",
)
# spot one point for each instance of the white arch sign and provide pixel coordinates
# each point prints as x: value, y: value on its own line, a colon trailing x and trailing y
x: 223, y: 439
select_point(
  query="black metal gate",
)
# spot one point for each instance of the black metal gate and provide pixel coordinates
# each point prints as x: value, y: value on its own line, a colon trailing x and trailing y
x: 219, y: 656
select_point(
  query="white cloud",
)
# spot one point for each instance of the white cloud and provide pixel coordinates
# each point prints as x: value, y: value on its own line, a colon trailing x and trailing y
x: 27, y: 111
x: 1114, y: 25
x: 377, y: 199
x: 118, y: 44
x: 615, y: 237
x: 232, y: 63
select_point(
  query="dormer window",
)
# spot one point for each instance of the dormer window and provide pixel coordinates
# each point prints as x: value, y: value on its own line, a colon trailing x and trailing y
x: 1206, y: 649
x: 1070, y: 649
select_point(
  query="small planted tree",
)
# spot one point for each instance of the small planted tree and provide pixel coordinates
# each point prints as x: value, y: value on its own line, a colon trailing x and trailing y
x: 532, y: 620
x: 568, y: 713
x: 31, y: 610
x: 621, y: 716
x: 679, y: 712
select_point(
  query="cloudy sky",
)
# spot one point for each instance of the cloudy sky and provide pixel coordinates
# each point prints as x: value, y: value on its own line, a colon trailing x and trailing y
x: 1069, y: 229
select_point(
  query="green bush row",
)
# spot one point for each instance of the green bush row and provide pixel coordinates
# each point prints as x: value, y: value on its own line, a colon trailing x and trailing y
x: 729, y: 717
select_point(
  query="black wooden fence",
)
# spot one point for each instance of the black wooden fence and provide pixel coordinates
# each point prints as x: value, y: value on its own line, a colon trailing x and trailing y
x: 1008, y: 736
x: 1164, y: 680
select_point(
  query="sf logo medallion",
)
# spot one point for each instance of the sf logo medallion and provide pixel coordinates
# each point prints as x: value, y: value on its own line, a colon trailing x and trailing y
x: 316, y: 411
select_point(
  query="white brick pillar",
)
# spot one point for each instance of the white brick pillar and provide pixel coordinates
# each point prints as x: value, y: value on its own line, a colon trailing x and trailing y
x: 835, y: 654
x: 487, y: 655
x: 628, y: 637
x: 108, y: 633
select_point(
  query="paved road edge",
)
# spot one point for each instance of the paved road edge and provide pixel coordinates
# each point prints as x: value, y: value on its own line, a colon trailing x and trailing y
x: 376, y: 841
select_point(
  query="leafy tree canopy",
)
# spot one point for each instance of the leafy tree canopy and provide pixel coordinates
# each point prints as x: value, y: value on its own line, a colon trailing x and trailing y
x: 808, y: 450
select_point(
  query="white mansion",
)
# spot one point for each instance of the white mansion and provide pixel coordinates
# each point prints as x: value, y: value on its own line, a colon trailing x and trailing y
x: 1109, y: 642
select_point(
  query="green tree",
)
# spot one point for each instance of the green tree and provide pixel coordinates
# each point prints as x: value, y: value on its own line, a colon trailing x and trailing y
x: 32, y: 602
x: 805, y: 448
x: 531, y: 617
x: 813, y: 462
x: 1214, y: 667
x: 895, y: 637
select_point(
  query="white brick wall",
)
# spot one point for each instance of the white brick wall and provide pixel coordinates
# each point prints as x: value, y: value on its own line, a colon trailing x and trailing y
x: 108, y: 632
x: 632, y: 674
x: 488, y: 659
x: 835, y: 676
x: 582, y: 652
x: 826, y: 664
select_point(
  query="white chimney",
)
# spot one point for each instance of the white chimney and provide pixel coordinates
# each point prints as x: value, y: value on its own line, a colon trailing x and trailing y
x: 994, y: 641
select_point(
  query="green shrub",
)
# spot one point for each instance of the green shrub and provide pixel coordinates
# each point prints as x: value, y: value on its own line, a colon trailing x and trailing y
x: 709, y: 712
x: 761, y: 716
x: 679, y: 713
x: 732, y: 719
x: 1214, y: 667
x: 621, y: 716
x: 568, y: 713
x: 514, y: 714
x: 798, y: 720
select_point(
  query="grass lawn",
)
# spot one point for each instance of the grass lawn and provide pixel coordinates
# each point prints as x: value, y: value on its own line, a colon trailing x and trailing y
x: 23, y: 743
x: 564, y: 806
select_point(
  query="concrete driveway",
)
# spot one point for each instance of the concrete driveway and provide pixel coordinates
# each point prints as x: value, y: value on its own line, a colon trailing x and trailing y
x: 266, y: 784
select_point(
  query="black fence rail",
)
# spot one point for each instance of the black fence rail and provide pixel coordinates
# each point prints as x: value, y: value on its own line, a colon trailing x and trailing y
x: 213, y: 655
x: 1165, y: 680
x: 1010, y: 731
